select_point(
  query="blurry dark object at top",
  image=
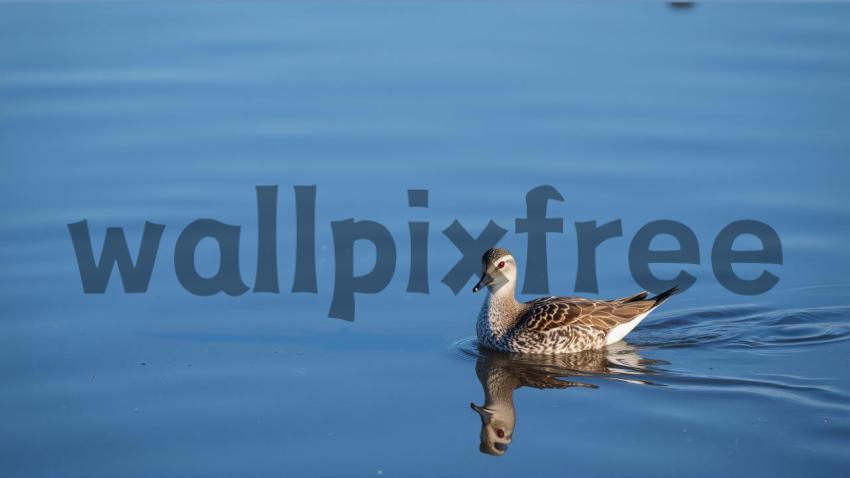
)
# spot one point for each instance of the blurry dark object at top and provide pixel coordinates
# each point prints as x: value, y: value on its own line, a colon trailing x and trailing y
x: 682, y: 5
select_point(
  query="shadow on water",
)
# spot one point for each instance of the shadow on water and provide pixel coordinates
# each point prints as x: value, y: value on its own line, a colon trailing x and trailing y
x: 744, y: 329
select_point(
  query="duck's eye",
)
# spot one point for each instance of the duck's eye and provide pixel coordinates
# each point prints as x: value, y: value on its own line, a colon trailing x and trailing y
x: 499, y: 432
x: 501, y: 265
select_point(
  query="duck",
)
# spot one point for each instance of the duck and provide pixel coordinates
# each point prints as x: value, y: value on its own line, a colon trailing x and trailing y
x: 551, y: 325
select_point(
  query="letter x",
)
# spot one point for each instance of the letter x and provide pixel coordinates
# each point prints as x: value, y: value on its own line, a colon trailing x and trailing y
x: 472, y: 249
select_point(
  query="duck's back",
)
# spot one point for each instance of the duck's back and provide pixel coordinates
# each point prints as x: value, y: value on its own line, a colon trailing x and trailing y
x: 573, y: 324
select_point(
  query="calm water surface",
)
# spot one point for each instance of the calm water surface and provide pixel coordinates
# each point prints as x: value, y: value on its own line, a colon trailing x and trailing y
x: 171, y: 112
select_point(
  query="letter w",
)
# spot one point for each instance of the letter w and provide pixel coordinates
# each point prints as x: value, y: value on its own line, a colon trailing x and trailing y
x: 95, y: 277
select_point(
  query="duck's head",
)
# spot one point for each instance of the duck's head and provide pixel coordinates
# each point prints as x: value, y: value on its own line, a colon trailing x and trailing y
x: 498, y: 270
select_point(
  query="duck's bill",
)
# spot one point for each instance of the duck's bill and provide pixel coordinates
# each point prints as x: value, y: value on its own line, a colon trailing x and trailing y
x: 486, y: 280
x: 481, y: 410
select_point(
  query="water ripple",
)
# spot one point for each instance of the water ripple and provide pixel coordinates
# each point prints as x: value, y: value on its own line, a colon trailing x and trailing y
x: 743, y: 327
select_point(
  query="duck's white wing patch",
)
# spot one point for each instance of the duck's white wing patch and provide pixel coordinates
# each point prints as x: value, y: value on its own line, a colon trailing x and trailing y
x: 617, y: 333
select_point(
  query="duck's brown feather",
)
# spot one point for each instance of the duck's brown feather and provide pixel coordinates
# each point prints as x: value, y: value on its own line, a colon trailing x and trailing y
x: 553, y: 312
x: 633, y: 298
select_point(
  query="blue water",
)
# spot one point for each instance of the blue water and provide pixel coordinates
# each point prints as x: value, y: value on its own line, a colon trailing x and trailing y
x: 169, y: 112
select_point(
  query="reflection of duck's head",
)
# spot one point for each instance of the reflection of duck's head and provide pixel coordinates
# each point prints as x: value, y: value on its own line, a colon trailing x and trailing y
x: 497, y: 428
x: 497, y: 413
x: 501, y: 373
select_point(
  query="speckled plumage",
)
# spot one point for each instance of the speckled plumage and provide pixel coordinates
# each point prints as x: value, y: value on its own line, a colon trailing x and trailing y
x: 551, y: 325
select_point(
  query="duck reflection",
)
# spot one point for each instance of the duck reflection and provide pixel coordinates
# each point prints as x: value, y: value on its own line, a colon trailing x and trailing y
x: 501, y: 373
